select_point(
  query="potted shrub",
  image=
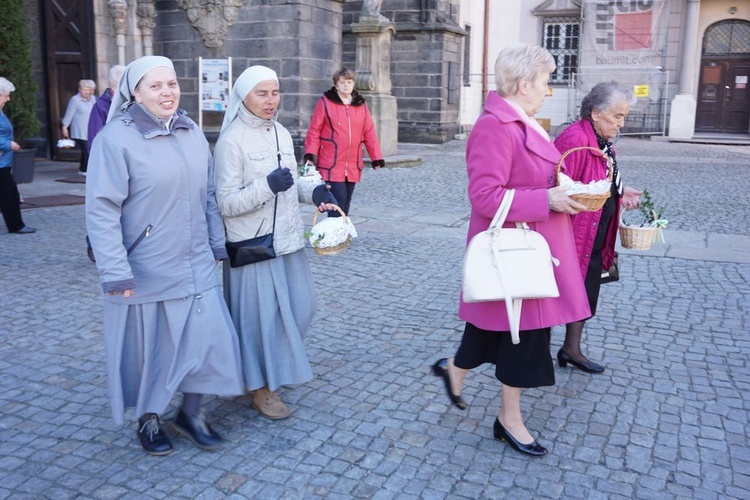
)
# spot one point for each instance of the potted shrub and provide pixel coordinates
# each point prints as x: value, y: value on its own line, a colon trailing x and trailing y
x: 16, y: 66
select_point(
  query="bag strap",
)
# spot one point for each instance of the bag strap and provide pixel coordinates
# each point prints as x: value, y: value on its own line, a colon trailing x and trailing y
x: 512, y: 306
x: 503, y: 209
x: 278, y: 158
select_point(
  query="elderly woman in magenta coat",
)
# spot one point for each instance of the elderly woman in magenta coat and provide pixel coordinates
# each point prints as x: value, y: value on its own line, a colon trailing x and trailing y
x: 603, y: 113
x: 508, y: 149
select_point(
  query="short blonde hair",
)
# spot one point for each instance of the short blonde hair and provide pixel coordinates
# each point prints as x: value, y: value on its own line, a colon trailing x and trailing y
x: 518, y: 62
x: 343, y: 74
x: 6, y: 87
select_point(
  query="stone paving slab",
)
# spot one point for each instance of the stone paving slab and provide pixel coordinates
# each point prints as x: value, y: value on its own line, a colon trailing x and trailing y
x: 667, y: 419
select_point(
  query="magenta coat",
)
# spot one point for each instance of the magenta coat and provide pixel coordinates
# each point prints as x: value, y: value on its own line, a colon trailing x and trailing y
x: 586, y: 166
x: 504, y: 152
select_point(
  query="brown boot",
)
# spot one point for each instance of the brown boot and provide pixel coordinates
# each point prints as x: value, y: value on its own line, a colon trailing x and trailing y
x: 270, y: 405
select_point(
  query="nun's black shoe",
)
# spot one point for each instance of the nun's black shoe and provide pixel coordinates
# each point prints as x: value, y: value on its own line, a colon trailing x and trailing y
x: 534, y: 449
x: 152, y: 436
x: 440, y: 368
x: 198, y: 431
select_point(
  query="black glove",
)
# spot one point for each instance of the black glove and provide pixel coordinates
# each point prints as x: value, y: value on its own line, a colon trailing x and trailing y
x: 280, y: 179
x: 321, y: 194
x: 378, y: 163
x: 311, y: 158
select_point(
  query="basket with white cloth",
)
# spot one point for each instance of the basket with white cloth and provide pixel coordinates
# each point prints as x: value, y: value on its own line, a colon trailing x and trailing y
x: 331, y: 235
x: 592, y: 195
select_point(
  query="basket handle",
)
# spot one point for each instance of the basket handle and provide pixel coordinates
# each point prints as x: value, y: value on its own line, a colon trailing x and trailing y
x: 315, y: 216
x: 610, y: 168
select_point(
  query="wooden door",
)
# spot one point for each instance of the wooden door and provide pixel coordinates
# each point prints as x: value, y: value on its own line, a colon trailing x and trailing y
x: 70, y: 57
x: 723, y: 97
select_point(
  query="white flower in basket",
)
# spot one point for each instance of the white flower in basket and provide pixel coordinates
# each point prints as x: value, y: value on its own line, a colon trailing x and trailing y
x: 332, y: 234
x: 66, y: 143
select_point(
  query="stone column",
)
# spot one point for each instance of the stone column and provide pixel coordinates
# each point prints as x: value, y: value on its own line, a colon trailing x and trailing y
x: 373, y: 77
x: 146, y: 22
x: 118, y: 10
x: 684, y: 104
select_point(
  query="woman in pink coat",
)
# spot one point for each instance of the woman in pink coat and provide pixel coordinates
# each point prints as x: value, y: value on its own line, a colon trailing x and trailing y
x: 341, y: 124
x: 603, y: 113
x: 508, y: 149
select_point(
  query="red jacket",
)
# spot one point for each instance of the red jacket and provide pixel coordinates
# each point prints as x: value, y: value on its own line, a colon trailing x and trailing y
x: 585, y: 166
x: 336, y: 134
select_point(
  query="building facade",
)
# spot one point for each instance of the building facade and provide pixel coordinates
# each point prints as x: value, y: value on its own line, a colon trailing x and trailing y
x: 688, y: 60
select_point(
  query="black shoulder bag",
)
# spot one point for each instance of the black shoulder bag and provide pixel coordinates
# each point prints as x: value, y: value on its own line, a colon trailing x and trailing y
x: 260, y: 248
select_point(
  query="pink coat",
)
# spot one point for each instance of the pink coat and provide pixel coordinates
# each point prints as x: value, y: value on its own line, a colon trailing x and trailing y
x: 504, y: 152
x: 586, y: 166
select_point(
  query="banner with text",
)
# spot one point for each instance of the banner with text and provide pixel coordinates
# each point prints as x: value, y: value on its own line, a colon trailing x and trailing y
x: 627, y: 34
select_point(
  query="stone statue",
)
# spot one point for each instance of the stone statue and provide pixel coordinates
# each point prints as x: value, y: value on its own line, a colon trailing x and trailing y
x: 371, y: 9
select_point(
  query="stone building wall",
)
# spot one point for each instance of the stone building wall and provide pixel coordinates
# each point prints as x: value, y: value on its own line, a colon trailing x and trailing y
x: 300, y: 40
x: 426, y: 57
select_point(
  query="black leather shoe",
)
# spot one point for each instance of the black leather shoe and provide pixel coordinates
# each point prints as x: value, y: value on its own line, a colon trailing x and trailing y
x: 25, y: 230
x: 198, y: 431
x: 563, y: 358
x: 440, y: 368
x: 152, y: 436
x: 534, y: 449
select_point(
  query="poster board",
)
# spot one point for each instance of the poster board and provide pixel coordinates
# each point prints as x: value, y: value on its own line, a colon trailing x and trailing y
x: 214, y: 86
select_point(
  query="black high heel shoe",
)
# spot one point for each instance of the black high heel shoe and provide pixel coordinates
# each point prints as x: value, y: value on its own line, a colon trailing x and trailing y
x: 440, y: 369
x: 534, y: 449
x: 563, y: 358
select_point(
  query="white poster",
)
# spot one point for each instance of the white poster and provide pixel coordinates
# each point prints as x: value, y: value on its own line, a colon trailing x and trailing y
x: 624, y: 33
x: 214, y: 84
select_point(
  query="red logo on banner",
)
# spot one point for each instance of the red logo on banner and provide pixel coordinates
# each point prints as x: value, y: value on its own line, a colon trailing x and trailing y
x: 633, y: 31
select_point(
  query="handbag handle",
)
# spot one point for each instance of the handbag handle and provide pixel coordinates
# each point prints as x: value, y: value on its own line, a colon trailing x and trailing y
x: 502, y: 211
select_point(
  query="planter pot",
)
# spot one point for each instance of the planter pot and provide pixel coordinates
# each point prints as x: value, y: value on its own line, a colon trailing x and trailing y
x: 23, y: 166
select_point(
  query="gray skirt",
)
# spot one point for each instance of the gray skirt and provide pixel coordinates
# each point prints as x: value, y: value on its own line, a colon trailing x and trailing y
x: 272, y: 305
x: 159, y: 348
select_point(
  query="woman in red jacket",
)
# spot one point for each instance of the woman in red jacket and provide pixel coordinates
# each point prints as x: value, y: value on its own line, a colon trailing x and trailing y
x: 341, y: 124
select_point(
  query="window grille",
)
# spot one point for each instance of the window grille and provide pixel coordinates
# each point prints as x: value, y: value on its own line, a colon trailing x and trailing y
x: 562, y: 37
x: 726, y: 38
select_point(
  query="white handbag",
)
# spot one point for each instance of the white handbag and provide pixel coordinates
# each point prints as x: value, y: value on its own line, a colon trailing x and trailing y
x: 508, y: 264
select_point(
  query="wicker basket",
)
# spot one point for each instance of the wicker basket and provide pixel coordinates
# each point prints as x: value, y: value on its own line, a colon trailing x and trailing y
x: 337, y: 248
x: 592, y: 202
x: 636, y: 238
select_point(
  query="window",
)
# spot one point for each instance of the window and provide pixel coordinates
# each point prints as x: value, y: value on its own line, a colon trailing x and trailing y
x: 562, y: 37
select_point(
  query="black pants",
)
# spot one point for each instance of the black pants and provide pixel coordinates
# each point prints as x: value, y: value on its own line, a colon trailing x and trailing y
x: 10, y: 201
x: 83, y: 165
x: 343, y: 192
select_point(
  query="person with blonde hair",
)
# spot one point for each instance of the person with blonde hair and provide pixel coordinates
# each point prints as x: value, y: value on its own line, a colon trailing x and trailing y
x: 75, y: 123
x: 509, y: 150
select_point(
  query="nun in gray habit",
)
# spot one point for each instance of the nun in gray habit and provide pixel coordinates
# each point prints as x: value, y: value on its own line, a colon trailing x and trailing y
x: 157, y: 236
x: 258, y: 191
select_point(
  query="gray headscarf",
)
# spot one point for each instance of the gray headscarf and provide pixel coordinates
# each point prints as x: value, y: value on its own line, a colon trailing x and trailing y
x: 247, y: 81
x: 130, y: 78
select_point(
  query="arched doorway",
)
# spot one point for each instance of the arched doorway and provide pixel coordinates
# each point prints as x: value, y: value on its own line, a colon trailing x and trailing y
x: 724, y: 89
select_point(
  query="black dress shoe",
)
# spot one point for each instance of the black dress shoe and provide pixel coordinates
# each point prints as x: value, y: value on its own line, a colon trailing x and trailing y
x: 152, y: 436
x: 25, y: 230
x: 534, y: 449
x: 440, y: 368
x: 198, y: 431
x: 563, y: 358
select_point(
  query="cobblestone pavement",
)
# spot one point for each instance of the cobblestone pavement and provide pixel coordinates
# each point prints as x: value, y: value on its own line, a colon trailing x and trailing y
x: 668, y: 419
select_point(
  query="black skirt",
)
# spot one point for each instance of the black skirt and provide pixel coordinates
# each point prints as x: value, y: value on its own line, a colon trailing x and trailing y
x: 527, y: 364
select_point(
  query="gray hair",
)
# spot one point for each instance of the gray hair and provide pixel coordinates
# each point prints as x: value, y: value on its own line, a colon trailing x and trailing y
x: 6, y: 87
x: 518, y: 62
x: 603, y: 96
x: 115, y: 72
x: 86, y: 83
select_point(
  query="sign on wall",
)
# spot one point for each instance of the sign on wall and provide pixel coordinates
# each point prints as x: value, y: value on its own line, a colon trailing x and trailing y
x: 215, y: 84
